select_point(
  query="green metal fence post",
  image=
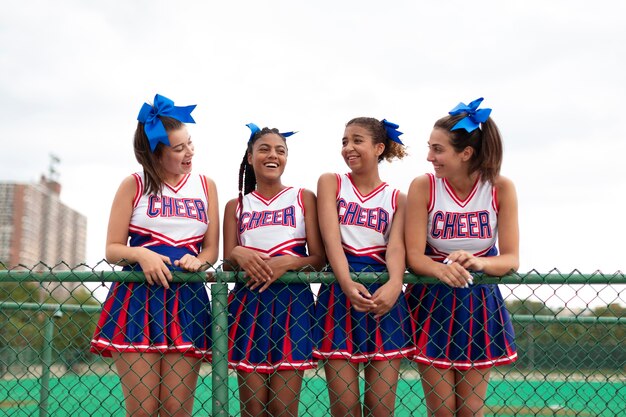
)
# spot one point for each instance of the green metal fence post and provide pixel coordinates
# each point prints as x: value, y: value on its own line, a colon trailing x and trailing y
x: 46, y: 362
x: 219, y: 293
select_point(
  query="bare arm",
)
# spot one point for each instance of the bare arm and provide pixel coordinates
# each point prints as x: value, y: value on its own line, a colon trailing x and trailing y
x: 387, y: 295
x: 253, y: 262
x: 416, y: 224
x: 329, y: 227
x: 153, y: 265
x: 315, y: 246
x: 508, y: 236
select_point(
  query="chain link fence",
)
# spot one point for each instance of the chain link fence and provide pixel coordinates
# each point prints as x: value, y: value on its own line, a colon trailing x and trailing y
x: 570, y: 334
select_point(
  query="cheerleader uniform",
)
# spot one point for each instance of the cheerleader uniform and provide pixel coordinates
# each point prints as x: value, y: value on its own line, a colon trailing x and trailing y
x: 461, y: 328
x: 137, y: 317
x: 341, y: 331
x: 272, y: 330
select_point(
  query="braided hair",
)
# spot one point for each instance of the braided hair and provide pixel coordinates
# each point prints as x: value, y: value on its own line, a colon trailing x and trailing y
x: 247, y: 177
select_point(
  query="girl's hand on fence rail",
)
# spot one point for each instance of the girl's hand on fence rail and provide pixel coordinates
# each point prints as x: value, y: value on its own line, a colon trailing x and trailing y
x: 279, y: 265
x: 453, y: 274
x: 154, y: 267
x: 385, y: 297
x: 254, y: 263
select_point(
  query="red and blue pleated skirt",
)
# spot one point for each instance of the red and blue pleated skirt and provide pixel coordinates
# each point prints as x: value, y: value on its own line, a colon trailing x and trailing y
x: 342, y: 332
x: 137, y: 317
x: 272, y: 330
x: 461, y: 328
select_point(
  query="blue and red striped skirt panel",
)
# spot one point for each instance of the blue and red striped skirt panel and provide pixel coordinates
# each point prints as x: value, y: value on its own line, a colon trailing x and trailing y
x: 137, y: 317
x: 461, y: 328
x: 344, y: 333
x: 272, y: 330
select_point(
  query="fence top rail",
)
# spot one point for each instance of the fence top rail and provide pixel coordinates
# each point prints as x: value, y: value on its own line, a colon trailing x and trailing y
x: 527, y: 278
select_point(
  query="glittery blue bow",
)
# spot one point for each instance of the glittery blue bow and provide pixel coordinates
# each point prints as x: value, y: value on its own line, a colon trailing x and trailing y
x: 392, y: 131
x: 163, y: 106
x: 474, y: 116
x: 254, y: 129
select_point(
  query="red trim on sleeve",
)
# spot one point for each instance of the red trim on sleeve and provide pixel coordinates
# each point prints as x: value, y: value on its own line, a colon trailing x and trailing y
x: 494, y: 202
x: 431, y: 196
x: 394, y: 199
x: 139, y: 190
x: 301, y: 200
x: 205, y: 187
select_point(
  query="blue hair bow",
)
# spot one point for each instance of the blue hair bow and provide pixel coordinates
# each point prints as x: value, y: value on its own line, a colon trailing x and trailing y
x: 254, y: 129
x: 152, y: 125
x: 474, y: 116
x: 392, y: 131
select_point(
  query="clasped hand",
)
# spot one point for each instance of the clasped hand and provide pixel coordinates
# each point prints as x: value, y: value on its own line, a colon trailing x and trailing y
x: 260, y: 268
x: 379, y: 304
x: 455, y: 269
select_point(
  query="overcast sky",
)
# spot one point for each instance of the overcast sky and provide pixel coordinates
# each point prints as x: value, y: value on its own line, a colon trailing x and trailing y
x: 74, y: 74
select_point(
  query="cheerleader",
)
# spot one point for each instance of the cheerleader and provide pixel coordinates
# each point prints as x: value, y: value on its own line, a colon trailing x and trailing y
x: 362, y: 220
x: 267, y: 232
x: 157, y: 332
x: 461, y: 219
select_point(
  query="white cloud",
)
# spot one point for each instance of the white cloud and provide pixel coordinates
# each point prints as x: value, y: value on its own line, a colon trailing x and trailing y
x: 75, y: 74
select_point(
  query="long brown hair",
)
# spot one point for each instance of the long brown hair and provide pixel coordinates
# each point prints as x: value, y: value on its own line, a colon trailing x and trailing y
x: 485, y: 141
x: 150, y: 161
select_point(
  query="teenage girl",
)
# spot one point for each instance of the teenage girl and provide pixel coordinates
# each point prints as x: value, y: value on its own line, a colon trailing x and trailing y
x: 362, y: 224
x: 461, y: 219
x: 269, y: 230
x: 164, y: 218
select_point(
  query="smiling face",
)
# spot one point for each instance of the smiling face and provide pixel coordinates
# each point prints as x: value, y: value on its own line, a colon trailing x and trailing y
x: 447, y: 162
x: 176, y: 159
x: 268, y: 157
x: 358, y: 148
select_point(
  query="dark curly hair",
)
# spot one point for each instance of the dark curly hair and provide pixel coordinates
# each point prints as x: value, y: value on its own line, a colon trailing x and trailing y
x: 379, y: 134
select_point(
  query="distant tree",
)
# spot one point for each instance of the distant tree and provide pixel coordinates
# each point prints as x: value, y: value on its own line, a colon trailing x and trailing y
x: 528, y: 307
x: 17, y: 327
x: 76, y: 328
x: 569, y: 345
x: 611, y: 310
x: 22, y: 329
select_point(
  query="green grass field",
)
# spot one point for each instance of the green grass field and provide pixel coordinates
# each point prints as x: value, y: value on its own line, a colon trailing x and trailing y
x: 94, y: 395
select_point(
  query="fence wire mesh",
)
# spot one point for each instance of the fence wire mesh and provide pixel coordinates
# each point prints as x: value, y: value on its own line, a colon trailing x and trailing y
x: 570, y: 334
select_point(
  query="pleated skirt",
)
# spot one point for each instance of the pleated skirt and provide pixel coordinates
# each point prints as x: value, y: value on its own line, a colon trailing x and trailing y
x: 461, y: 328
x: 344, y: 333
x: 137, y: 317
x: 273, y: 330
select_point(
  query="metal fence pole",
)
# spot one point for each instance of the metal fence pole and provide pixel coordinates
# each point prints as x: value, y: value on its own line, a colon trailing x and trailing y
x: 46, y: 362
x: 219, y: 293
